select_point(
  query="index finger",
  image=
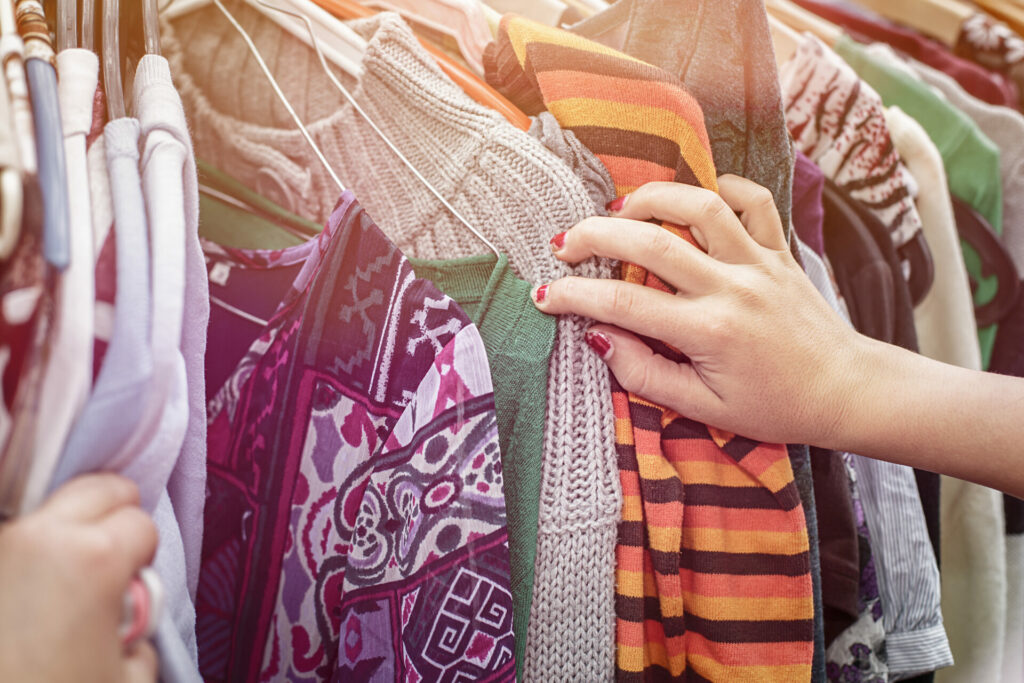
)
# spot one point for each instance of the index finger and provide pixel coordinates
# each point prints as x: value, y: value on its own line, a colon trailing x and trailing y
x: 712, y: 222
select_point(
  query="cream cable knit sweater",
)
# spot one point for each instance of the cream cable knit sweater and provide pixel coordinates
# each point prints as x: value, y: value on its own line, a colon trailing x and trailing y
x: 508, y: 185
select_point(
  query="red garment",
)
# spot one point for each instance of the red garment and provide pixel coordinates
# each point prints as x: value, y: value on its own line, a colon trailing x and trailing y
x: 986, y: 85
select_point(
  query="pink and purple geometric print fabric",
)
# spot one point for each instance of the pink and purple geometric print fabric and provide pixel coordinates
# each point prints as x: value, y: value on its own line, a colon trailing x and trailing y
x: 355, y: 515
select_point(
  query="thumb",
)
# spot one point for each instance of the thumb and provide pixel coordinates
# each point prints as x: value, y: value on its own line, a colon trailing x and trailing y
x: 651, y: 376
x: 139, y: 664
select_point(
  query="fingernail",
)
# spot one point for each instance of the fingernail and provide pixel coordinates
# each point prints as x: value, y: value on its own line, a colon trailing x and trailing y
x: 601, y: 344
x: 540, y: 294
x: 558, y: 241
x: 616, y: 204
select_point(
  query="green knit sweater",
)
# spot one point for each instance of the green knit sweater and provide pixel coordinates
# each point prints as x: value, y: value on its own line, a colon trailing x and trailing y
x: 519, y: 340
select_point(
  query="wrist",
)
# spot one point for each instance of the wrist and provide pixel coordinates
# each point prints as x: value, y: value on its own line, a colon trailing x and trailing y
x: 864, y: 384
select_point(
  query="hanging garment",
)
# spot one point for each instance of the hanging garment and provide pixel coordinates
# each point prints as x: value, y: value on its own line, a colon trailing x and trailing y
x: 993, y: 45
x: 168, y: 144
x: 991, y: 87
x: 355, y: 523
x: 722, y: 52
x: 1006, y: 129
x: 115, y: 408
x: 67, y: 378
x: 1013, y: 657
x: 945, y: 318
x: 655, y: 132
x: 839, y: 123
x: 24, y: 312
x: 808, y: 215
x: 519, y: 340
x: 970, y: 158
x: 267, y: 225
x: 803, y: 478
x: 915, y: 639
x: 859, y: 651
x: 105, y: 272
x: 839, y: 541
x: 863, y: 273
x: 508, y: 185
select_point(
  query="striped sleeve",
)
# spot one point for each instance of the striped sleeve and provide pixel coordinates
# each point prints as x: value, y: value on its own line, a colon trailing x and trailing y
x: 712, y: 562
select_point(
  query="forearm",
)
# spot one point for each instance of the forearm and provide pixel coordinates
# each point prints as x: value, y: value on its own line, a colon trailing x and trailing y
x: 909, y: 409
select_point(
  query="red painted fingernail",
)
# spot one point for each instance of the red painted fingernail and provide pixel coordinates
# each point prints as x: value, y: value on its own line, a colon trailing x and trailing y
x: 558, y: 241
x: 601, y: 345
x: 616, y: 204
x: 540, y: 294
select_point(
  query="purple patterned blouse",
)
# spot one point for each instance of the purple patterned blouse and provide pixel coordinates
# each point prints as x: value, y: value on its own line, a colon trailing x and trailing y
x: 355, y: 516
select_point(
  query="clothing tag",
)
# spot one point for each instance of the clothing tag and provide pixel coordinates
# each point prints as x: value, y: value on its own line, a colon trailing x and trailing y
x: 220, y: 273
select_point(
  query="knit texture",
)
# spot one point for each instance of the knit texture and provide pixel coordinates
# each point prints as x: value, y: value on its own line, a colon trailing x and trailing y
x: 518, y: 339
x: 839, y: 122
x: 506, y: 184
x: 721, y: 50
x: 870, y: 28
x: 970, y: 158
x: 712, y: 589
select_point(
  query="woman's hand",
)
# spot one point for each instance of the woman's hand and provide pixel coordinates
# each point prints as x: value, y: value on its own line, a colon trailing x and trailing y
x: 64, y: 570
x: 769, y: 359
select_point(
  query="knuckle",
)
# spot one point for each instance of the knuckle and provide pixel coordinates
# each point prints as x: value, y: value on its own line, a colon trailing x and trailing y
x: 97, y: 549
x: 622, y: 300
x: 713, y: 208
x: 661, y: 241
x: 636, y: 378
x: 762, y: 198
x: 587, y: 228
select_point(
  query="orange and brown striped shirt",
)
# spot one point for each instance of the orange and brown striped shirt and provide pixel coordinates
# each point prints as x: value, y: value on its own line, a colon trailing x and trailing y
x: 712, y: 566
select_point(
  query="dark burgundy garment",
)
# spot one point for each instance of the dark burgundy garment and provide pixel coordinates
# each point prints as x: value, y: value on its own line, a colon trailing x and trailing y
x: 870, y: 278
x: 808, y: 214
x: 1008, y: 359
x: 864, y: 277
x: 923, y: 678
x: 986, y: 85
x: 838, y: 542
x: 902, y: 311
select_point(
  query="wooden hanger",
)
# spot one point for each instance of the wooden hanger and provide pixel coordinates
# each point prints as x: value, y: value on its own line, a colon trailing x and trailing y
x: 1010, y: 11
x: 940, y: 19
x: 470, y: 83
x: 800, y: 20
x: 785, y: 40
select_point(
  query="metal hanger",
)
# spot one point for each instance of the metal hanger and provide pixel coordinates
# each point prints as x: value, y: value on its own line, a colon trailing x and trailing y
x: 344, y: 47
x: 355, y: 105
x: 280, y: 94
x: 220, y: 303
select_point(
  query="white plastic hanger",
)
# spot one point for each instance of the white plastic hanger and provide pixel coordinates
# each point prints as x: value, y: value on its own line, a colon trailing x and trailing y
x: 355, y: 105
x: 67, y: 24
x: 343, y: 47
x: 88, y: 23
x: 113, y: 86
x: 151, y: 26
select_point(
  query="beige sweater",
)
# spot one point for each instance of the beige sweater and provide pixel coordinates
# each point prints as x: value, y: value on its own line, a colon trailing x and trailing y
x: 507, y: 184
